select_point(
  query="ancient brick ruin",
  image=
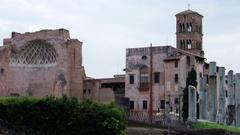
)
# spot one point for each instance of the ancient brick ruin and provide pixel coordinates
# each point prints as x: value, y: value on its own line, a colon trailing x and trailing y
x: 46, y: 62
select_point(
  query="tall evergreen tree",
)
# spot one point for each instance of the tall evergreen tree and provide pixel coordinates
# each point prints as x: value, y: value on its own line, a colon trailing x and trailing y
x: 191, y: 80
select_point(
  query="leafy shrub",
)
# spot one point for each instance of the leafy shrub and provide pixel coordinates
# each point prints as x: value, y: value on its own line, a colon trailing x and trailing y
x: 63, y: 116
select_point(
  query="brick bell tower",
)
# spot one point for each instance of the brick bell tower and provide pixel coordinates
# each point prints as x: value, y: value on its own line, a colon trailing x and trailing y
x: 189, y: 32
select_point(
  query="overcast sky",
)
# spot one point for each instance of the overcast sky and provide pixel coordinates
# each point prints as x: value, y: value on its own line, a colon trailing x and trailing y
x: 108, y: 27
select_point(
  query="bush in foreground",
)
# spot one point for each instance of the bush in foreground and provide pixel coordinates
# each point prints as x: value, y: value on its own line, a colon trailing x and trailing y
x: 63, y: 116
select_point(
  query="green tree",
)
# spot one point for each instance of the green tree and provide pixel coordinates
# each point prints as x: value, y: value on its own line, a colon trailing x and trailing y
x: 191, y: 80
x: 61, y: 116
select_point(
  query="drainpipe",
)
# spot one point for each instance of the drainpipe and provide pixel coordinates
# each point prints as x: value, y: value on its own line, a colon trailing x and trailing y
x: 151, y: 92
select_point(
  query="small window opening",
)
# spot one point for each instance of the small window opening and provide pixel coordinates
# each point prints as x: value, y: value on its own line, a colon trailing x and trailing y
x: 157, y: 77
x: 176, y: 64
x: 183, y: 28
x: 144, y: 104
x: 189, y: 44
x: 176, y: 78
x: 162, y: 104
x: 144, y: 57
x: 180, y: 27
x: 189, y: 27
x: 132, y: 105
x: 181, y: 44
x: 131, y: 79
x: 176, y: 101
x: 188, y: 60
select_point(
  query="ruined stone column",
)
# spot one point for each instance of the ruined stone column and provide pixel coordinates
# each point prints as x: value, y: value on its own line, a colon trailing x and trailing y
x: 237, y: 80
x: 192, y: 97
x: 221, y: 98
x: 212, y: 101
x: 230, y: 99
x: 203, y: 98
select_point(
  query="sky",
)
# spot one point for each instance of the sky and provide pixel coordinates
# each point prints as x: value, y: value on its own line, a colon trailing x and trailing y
x: 108, y: 27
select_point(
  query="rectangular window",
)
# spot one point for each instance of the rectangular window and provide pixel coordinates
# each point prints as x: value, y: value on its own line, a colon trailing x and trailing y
x: 162, y: 104
x: 144, y: 80
x: 176, y: 78
x: 144, y: 104
x: 131, y: 105
x: 176, y: 64
x: 176, y: 101
x: 188, y: 60
x: 131, y: 79
x: 189, y: 44
x: 157, y: 77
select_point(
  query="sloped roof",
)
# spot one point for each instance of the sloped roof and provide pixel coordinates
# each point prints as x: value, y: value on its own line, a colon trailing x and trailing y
x: 186, y: 12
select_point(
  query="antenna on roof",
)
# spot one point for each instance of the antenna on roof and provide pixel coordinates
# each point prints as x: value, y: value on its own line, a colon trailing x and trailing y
x: 188, y: 6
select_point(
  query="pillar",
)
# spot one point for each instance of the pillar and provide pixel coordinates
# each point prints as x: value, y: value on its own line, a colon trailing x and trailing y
x: 230, y: 99
x: 221, y: 98
x: 203, y: 98
x: 237, y: 81
x: 192, y: 97
x: 212, y: 98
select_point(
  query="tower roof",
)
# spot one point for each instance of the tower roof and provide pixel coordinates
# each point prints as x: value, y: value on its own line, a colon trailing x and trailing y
x: 186, y: 12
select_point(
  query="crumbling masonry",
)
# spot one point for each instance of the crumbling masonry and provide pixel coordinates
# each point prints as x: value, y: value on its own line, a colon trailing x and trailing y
x: 46, y: 62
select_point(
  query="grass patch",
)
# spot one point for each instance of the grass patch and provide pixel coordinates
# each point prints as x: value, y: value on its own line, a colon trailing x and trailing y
x: 211, y: 125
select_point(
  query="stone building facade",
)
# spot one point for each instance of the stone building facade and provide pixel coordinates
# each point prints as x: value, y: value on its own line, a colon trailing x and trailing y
x: 46, y: 62
x: 156, y: 76
x: 104, y: 90
x: 168, y: 67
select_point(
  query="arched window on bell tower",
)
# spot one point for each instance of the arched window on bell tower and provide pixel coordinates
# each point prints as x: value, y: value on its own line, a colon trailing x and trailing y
x: 189, y: 44
x: 189, y: 27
